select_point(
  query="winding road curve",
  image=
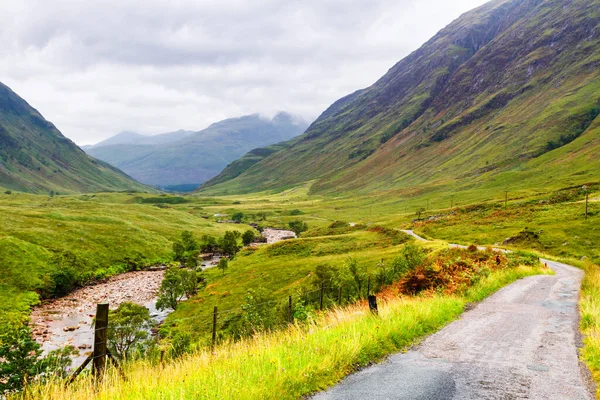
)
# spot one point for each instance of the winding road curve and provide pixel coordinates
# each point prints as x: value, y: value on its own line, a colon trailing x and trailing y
x: 520, y: 343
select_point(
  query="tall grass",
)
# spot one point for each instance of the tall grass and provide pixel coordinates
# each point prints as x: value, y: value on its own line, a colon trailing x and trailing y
x: 590, y: 320
x: 292, y: 363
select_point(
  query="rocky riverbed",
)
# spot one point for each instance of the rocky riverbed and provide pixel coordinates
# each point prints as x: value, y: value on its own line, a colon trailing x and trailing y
x: 68, y: 320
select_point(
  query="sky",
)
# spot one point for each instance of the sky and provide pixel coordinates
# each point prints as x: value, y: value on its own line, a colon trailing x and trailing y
x: 98, y: 67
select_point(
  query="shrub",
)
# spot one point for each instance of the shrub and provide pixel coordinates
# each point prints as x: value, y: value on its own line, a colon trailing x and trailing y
x: 237, y: 217
x: 248, y: 237
x: 186, y: 250
x: 298, y: 226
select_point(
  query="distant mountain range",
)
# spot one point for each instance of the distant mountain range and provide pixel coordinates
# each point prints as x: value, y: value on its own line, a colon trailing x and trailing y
x: 35, y: 157
x: 183, y: 160
x: 506, y: 96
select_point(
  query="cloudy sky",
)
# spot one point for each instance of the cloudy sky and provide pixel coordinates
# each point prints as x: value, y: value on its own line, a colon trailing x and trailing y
x: 98, y: 67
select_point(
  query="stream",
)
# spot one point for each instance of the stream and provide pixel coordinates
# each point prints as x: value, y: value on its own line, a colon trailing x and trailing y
x: 68, y: 320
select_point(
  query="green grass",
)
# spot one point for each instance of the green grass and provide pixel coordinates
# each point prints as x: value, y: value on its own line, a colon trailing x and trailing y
x: 292, y: 363
x: 109, y: 232
x: 281, y: 269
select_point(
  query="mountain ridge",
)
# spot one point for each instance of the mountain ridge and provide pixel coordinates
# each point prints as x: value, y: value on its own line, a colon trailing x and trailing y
x: 473, y: 82
x: 198, y: 156
x: 35, y: 157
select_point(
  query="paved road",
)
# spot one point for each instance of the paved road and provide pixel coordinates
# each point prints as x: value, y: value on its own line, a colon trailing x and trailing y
x: 520, y: 343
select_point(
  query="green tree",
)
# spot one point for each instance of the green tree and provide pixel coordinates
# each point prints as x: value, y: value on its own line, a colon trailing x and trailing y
x: 248, y: 237
x: 186, y: 250
x: 208, y: 244
x: 237, y: 217
x: 171, y: 290
x: 298, y: 226
x: 64, y: 278
x: 129, y: 327
x: 19, y: 357
x: 229, y: 243
x: 189, y: 281
x: 223, y: 265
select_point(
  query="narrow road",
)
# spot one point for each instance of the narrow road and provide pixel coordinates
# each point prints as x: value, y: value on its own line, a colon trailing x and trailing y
x: 520, y: 343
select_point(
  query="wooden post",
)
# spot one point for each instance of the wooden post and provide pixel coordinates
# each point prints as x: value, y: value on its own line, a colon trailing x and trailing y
x: 100, y: 339
x: 373, y: 304
x: 586, y: 205
x: 321, y: 299
x: 214, y: 329
x: 340, y: 296
x: 290, y: 309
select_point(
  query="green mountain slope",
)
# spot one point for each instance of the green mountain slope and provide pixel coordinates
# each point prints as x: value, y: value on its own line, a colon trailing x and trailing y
x: 506, y: 95
x: 35, y: 157
x: 198, y: 157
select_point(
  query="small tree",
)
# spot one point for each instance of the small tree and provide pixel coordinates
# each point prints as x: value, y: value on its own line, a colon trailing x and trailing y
x: 229, y: 243
x: 64, y: 277
x: 298, y: 226
x: 171, y: 290
x: 237, y: 217
x: 208, y: 244
x: 189, y: 281
x: 129, y: 327
x: 248, y: 237
x: 186, y: 250
x: 21, y: 358
x: 223, y: 265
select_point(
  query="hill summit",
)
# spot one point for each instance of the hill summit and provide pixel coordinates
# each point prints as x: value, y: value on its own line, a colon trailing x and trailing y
x: 506, y: 95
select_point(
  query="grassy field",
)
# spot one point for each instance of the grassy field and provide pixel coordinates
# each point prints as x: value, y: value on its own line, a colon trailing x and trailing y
x: 292, y: 363
x: 108, y: 232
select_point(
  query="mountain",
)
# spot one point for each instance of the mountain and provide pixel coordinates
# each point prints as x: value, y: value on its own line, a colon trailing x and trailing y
x: 508, y: 95
x: 128, y: 137
x: 35, y: 157
x: 194, y: 158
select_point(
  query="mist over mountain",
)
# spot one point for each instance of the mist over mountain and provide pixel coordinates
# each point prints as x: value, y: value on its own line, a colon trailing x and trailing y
x: 185, y: 159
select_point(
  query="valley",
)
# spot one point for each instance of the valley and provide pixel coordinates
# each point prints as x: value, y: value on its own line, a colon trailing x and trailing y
x: 433, y: 235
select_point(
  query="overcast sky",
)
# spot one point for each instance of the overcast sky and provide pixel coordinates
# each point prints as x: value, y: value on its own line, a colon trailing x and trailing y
x: 98, y: 67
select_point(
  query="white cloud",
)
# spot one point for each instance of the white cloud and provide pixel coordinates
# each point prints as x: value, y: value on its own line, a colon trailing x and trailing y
x: 98, y: 67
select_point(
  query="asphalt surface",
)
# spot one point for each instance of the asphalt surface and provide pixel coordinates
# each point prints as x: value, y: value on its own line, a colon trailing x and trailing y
x: 520, y: 343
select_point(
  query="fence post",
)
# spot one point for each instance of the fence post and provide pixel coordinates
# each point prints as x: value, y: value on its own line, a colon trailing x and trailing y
x: 100, y: 339
x: 321, y: 300
x: 373, y: 304
x: 214, y: 330
x: 290, y: 309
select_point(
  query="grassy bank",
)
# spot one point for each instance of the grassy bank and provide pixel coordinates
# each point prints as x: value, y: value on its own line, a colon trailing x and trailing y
x: 294, y: 362
x: 108, y: 233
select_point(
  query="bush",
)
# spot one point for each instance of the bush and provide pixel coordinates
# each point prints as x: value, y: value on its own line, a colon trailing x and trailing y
x: 8, y: 192
x: 237, y: 217
x: 298, y: 226
x: 248, y: 237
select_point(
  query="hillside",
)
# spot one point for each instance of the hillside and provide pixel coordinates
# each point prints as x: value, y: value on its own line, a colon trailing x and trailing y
x: 506, y: 96
x: 35, y: 157
x: 183, y: 158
